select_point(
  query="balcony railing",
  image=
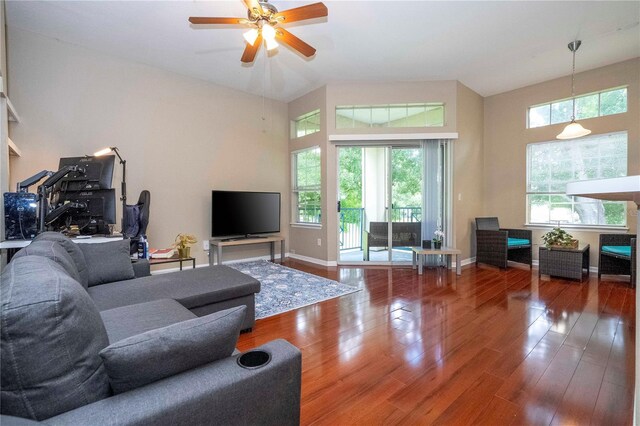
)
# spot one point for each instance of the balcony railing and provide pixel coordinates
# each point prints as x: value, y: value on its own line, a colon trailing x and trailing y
x: 352, y: 223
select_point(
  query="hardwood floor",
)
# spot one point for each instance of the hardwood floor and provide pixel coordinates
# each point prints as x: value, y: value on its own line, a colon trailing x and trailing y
x: 489, y: 347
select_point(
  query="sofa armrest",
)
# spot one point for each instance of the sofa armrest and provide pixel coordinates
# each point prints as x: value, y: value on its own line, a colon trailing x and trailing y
x: 141, y: 268
x: 221, y: 392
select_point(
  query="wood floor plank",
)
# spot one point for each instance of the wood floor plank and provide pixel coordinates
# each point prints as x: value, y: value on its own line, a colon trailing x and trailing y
x: 548, y: 393
x: 580, y: 398
x: 488, y: 347
x: 614, y: 406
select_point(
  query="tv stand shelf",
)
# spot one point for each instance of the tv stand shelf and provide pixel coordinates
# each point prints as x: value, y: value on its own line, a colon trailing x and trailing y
x: 215, y: 247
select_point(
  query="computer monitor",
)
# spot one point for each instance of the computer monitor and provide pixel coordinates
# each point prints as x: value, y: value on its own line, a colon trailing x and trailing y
x: 92, y: 206
x: 97, y: 173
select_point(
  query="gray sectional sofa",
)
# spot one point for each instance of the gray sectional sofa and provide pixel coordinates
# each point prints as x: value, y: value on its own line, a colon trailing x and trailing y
x: 78, y: 347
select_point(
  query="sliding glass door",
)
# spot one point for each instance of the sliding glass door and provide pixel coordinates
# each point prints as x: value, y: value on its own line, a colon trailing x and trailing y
x: 380, y: 203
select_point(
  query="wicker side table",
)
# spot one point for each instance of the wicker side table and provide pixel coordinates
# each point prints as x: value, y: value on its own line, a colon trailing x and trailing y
x: 564, y: 262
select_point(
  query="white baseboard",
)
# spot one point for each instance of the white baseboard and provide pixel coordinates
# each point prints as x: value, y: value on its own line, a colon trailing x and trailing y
x: 313, y: 260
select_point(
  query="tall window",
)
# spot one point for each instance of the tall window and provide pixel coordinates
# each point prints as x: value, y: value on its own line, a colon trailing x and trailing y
x: 306, y: 186
x: 607, y: 102
x: 551, y: 165
x: 306, y: 124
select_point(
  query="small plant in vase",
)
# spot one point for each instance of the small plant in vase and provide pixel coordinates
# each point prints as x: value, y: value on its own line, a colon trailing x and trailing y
x: 183, y: 243
x: 438, y: 237
x: 559, y: 238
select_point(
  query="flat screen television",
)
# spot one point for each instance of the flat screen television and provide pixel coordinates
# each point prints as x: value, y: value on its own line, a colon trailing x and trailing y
x: 239, y: 213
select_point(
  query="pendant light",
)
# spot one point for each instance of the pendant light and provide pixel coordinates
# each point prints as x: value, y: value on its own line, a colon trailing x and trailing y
x: 573, y: 130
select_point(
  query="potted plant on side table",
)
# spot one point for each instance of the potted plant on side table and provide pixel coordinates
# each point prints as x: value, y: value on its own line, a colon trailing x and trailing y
x: 437, y: 239
x: 183, y: 243
x: 559, y: 238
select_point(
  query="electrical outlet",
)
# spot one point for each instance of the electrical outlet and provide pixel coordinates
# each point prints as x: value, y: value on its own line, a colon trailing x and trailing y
x: 205, y: 245
x: 319, y: 241
x: 460, y: 196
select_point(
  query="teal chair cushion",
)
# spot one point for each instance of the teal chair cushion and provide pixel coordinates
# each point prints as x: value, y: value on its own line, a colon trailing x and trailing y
x: 518, y: 242
x: 618, y: 250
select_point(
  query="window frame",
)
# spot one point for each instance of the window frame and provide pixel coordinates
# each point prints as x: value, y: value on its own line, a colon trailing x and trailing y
x: 372, y: 109
x: 573, y: 99
x: 572, y: 199
x: 296, y: 190
x: 304, y: 118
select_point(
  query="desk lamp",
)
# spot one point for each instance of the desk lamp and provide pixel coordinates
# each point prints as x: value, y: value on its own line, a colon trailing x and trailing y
x: 123, y: 185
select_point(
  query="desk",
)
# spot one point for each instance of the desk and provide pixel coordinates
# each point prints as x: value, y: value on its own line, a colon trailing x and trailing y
x: 419, y: 253
x: 173, y: 259
x: 563, y: 262
x: 219, y: 244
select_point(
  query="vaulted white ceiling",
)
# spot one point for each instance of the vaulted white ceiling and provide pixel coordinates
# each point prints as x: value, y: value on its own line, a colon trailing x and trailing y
x: 492, y: 47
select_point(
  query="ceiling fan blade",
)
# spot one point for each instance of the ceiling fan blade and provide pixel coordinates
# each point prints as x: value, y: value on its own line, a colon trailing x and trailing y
x: 315, y: 10
x: 250, y: 51
x: 254, y: 6
x: 213, y: 21
x: 293, y: 41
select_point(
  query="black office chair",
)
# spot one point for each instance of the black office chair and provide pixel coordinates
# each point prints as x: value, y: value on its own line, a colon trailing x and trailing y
x: 136, y: 219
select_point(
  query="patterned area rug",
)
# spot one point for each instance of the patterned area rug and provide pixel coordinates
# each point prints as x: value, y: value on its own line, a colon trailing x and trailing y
x: 284, y: 289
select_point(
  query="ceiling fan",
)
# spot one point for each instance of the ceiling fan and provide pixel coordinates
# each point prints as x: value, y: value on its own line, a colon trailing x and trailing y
x: 265, y: 21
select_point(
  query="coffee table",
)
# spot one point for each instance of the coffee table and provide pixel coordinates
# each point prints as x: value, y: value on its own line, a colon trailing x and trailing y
x: 564, y: 262
x: 419, y: 253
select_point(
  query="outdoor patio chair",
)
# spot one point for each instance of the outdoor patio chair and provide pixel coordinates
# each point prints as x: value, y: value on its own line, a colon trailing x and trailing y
x: 404, y: 234
x: 496, y: 246
x: 618, y: 255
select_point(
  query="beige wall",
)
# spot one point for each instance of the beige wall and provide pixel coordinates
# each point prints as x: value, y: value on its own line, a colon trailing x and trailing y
x: 304, y: 240
x: 468, y: 194
x: 181, y: 137
x: 506, y: 138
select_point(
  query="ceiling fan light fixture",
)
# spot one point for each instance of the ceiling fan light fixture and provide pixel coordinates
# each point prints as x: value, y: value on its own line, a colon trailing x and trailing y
x: 271, y: 43
x: 573, y: 130
x: 268, y: 32
x: 251, y: 36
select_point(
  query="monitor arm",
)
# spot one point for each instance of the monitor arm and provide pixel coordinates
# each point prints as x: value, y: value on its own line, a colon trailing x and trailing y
x: 58, y: 212
x: 25, y: 184
x: 54, y: 178
x: 43, y: 191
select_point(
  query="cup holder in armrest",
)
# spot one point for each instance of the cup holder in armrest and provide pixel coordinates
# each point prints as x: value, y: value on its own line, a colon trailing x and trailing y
x: 254, y: 359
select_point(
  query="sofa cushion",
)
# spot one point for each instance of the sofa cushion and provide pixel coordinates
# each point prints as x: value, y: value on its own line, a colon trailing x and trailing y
x: 54, y: 251
x: 512, y: 242
x: 128, y: 321
x: 50, y: 340
x: 108, y: 262
x: 192, y: 288
x: 618, y: 250
x: 71, y: 248
x: 156, y: 354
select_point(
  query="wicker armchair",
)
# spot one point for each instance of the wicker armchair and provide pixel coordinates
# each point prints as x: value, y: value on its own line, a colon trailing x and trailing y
x: 494, y: 248
x: 617, y: 263
x: 404, y: 234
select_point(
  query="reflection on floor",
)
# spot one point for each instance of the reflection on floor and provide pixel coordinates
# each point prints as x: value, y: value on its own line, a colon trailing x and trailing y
x: 401, y: 254
x: 494, y: 347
